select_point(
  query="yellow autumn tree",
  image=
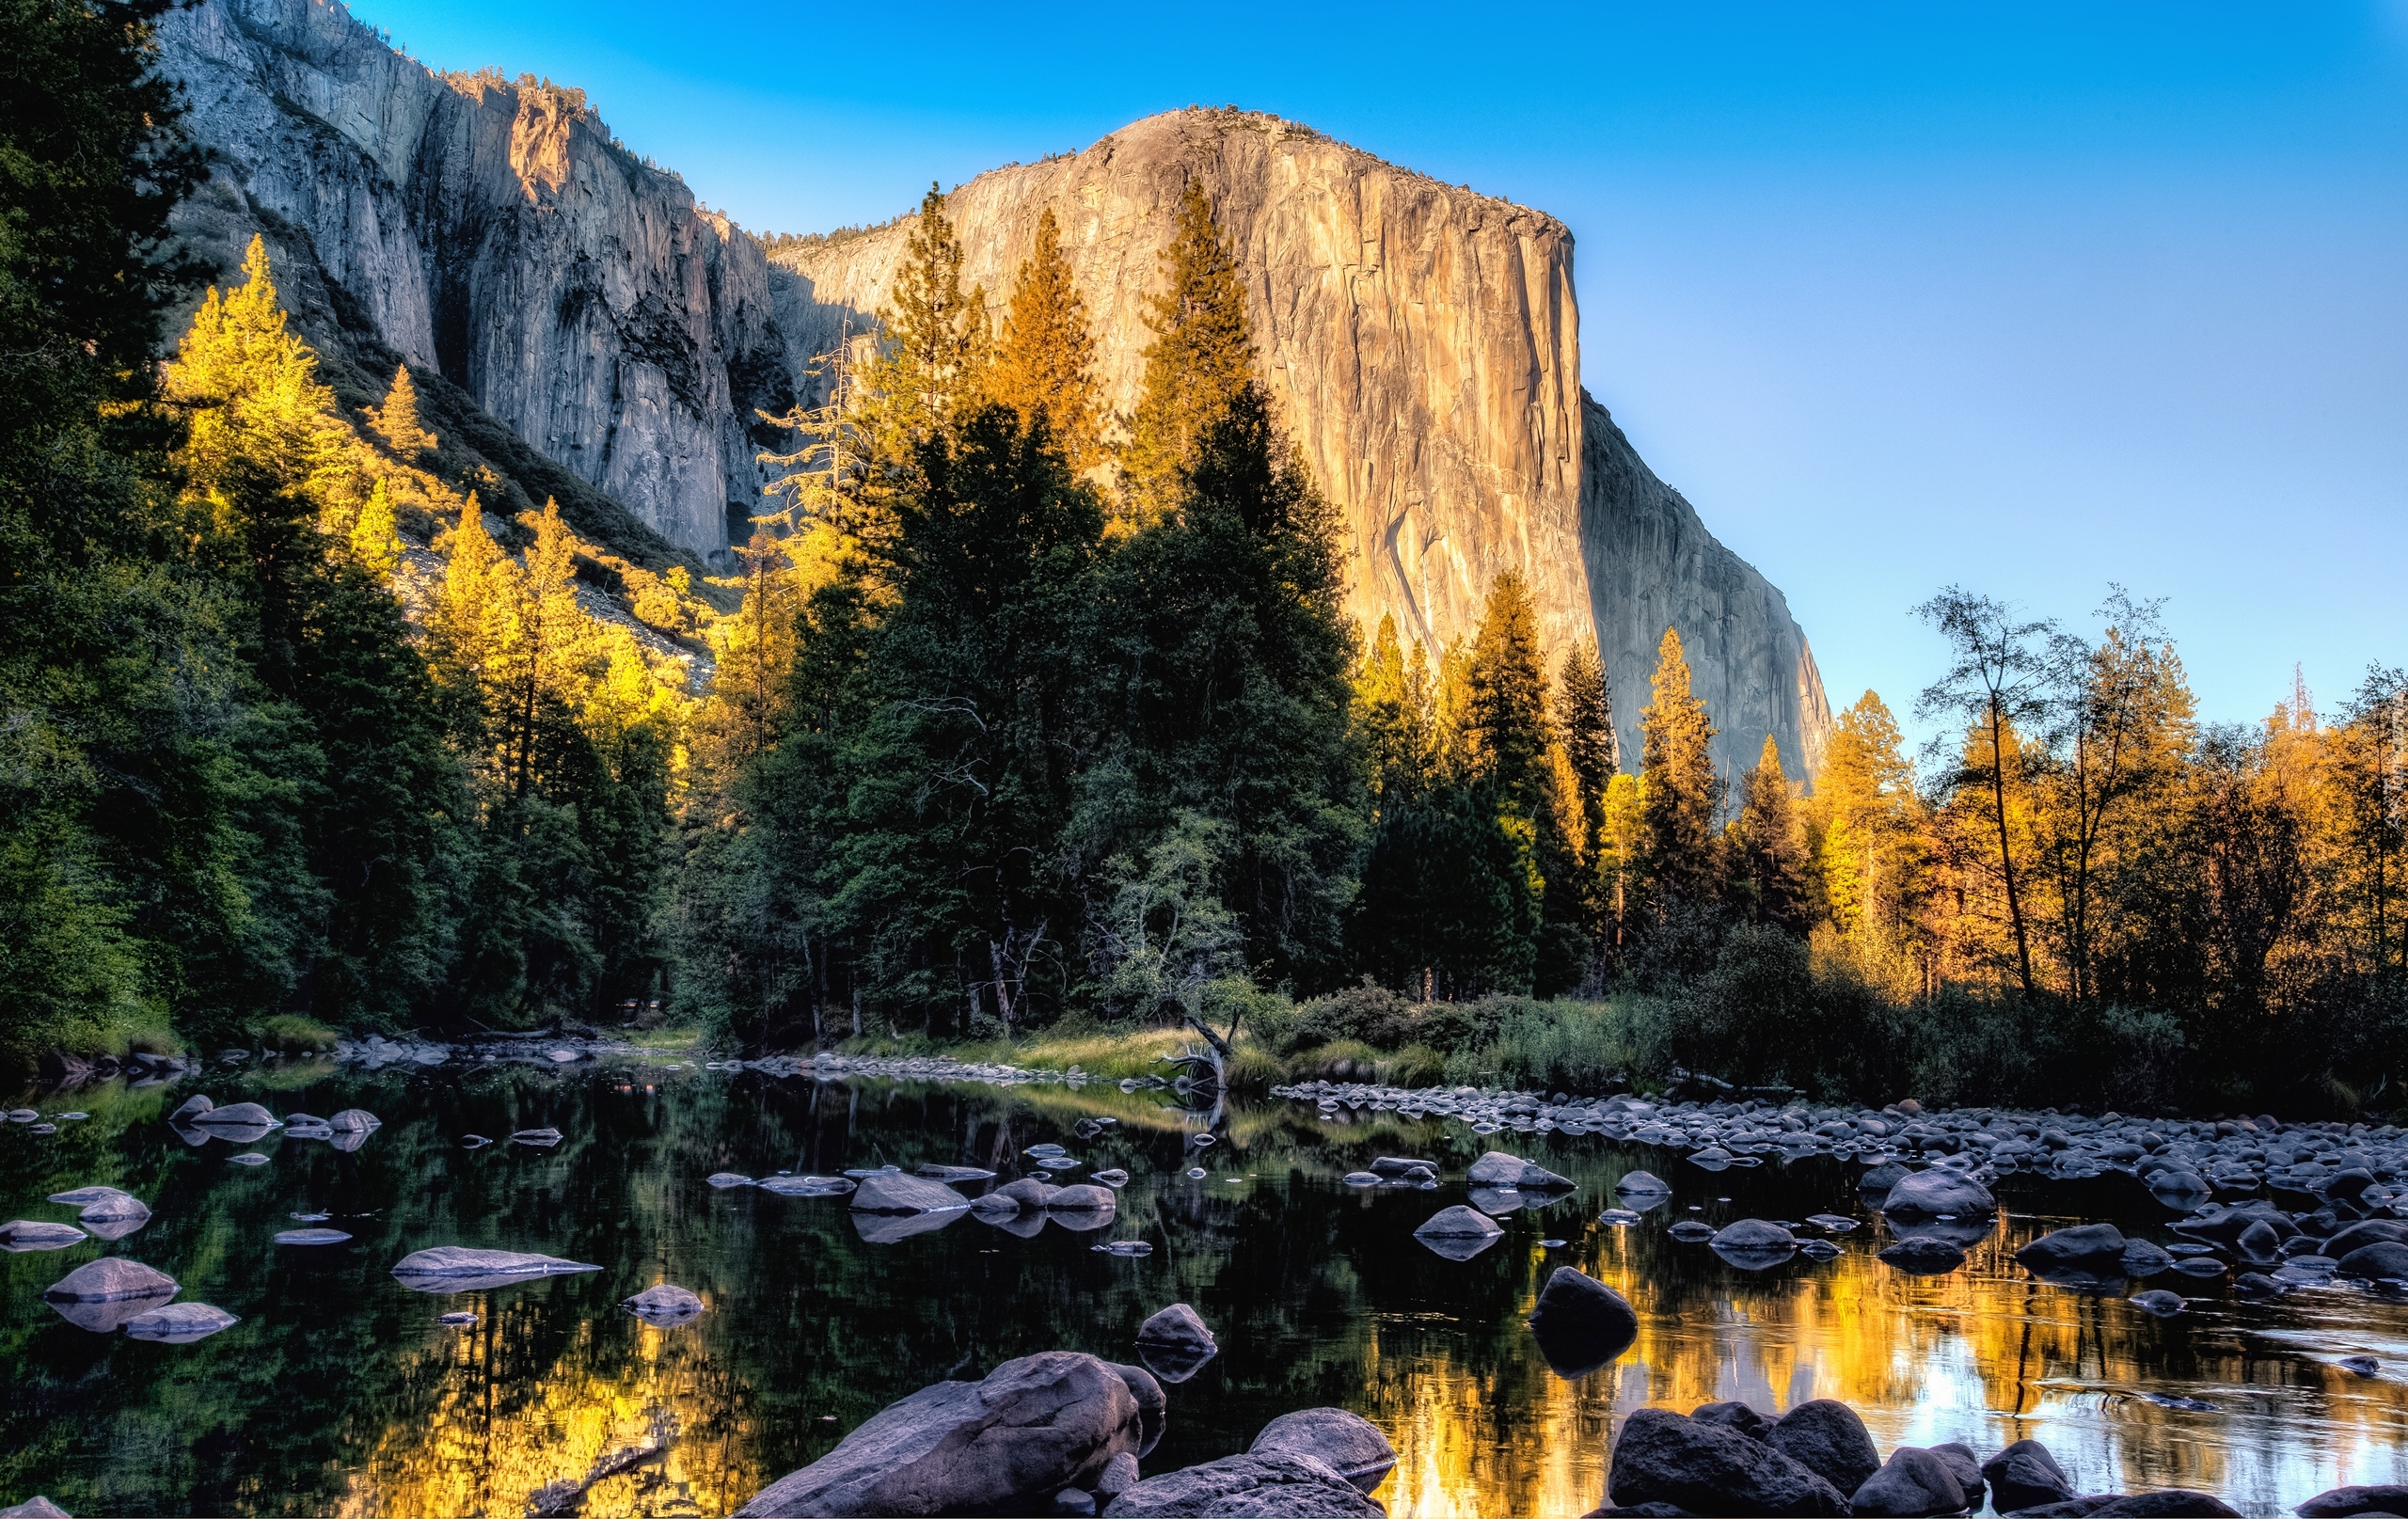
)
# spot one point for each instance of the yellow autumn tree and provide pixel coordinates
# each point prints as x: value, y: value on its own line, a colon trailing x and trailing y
x: 1044, y: 359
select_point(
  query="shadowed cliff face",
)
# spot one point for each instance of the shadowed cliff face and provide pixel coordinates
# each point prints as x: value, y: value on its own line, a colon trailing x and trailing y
x: 495, y: 233
x: 1651, y: 564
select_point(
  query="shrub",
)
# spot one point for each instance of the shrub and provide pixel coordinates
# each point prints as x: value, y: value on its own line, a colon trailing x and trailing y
x: 1340, y: 1060
x: 290, y: 1032
x: 1368, y: 1013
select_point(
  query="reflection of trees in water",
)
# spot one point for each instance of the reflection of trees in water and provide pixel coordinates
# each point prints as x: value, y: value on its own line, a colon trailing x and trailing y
x: 339, y: 1392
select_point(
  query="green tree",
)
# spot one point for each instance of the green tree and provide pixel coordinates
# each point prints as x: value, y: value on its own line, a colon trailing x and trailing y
x: 1683, y: 795
x: 1200, y: 363
x: 1505, y: 718
x: 931, y: 359
x: 1392, y: 711
x: 1584, y: 715
x: 1767, y: 848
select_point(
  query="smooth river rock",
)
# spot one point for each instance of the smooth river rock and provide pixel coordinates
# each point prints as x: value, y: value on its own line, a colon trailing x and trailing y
x: 1458, y: 1233
x: 664, y: 1304
x: 1034, y: 1427
x: 1348, y: 1444
x: 891, y: 1192
x: 37, y: 1234
x: 1273, y: 1484
x: 451, y: 1268
x: 1580, y: 1323
x: 180, y: 1324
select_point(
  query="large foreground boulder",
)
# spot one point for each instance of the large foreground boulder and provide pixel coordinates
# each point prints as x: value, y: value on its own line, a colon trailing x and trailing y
x: 1274, y: 1484
x: 1914, y: 1484
x: 2342, y: 1502
x: 1663, y: 1457
x: 2025, y: 1476
x: 1827, y: 1439
x: 1006, y: 1444
x: 1581, y: 1324
x: 1348, y: 1444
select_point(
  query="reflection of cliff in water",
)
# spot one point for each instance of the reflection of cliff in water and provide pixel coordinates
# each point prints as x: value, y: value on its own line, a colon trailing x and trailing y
x: 339, y: 1392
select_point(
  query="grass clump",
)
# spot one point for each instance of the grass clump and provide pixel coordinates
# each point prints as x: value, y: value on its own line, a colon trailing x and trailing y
x: 293, y: 1034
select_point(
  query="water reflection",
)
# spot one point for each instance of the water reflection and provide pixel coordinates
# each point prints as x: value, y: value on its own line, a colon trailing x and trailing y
x: 341, y: 1390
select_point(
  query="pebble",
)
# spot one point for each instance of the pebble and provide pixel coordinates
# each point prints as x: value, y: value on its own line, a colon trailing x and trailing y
x: 247, y: 1158
x: 457, y: 1320
x: 1195, y: 1173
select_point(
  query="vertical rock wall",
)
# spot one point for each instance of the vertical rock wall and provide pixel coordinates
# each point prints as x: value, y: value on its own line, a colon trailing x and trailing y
x: 1422, y: 340
x: 495, y: 233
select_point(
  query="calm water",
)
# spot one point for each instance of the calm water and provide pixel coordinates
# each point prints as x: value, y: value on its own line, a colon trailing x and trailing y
x: 339, y: 1393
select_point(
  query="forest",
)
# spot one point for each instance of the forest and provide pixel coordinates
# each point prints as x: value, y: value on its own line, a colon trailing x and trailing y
x: 1026, y: 715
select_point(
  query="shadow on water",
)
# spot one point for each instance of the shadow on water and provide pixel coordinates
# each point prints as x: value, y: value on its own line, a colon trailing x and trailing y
x: 340, y: 1392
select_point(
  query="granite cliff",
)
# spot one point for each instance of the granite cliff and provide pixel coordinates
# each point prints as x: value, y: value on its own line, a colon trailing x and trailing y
x: 1424, y: 344
x: 493, y: 233
x: 589, y: 331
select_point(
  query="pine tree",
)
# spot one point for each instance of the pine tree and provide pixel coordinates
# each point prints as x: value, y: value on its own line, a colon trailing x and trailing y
x: 1769, y: 847
x: 933, y: 347
x: 373, y: 540
x: 1505, y: 717
x: 397, y: 419
x: 1392, y: 708
x: 1862, y: 823
x: 1584, y: 716
x: 1044, y: 360
x: 539, y: 677
x: 1201, y: 358
x: 1683, y: 794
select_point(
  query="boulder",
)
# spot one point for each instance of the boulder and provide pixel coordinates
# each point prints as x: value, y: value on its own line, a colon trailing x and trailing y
x: 891, y: 1192
x: 90, y: 1197
x: 1007, y: 1444
x: 37, y: 1234
x: 235, y: 1116
x: 1580, y: 1323
x: 110, y: 1279
x: 2158, y: 1303
x: 2024, y: 1476
x: 1827, y: 1439
x: 311, y: 1237
x: 2365, y: 1231
x: 2143, y: 1259
x: 2259, y: 1245
x: 1273, y: 1485
x: 37, y: 1507
x: 664, y: 1306
x: 1734, y: 1416
x: 2342, y: 1502
x: 2376, y: 1261
x: 1754, y: 1244
x: 1937, y: 1194
x: 2170, y: 1503
x: 539, y: 1138
x: 1642, y: 1182
x: 180, y: 1324
x: 1498, y: 1169
x: 194, y: 1107
x: 1458, y: 1234
x: 894, y: 1228
x: 1178, y: 1324
x: 1397, y: 1166
x: 2092, y: 1248
x: 451, y: 1268
x: 1923, y: 1255
x: 1348, y: 1444
x: 1662, y: 1456
x: 354, y: 1120
x: 806, y: 1186
x: 1965, y: 1466
x: 1027, y: 1196
x: 1153, y: 1409
x: 1912, y: 1482
x: 724, y: 1180
x: 1082, y: 1199
x: 1119, y: 1476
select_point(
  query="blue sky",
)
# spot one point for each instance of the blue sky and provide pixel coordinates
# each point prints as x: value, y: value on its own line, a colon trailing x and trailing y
x: 2030, y: 297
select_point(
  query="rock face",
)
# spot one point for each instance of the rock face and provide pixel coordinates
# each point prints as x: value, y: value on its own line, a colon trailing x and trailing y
x: 1423, y: 342
x: 498, y: 234
x: 1032, y: 1428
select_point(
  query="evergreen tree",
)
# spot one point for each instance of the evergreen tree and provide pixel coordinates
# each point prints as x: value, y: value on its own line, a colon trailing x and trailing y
x: 933, y: 348
x: 1200, y: 362
x: 1584, y: 715
x: 1767, y: 847
x: 1862, y: 827
x: 1392, y: 711
x: 1683, y: 794
x: 1505, y: 716
x: 1044, y: 360
x: 397, y: 419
